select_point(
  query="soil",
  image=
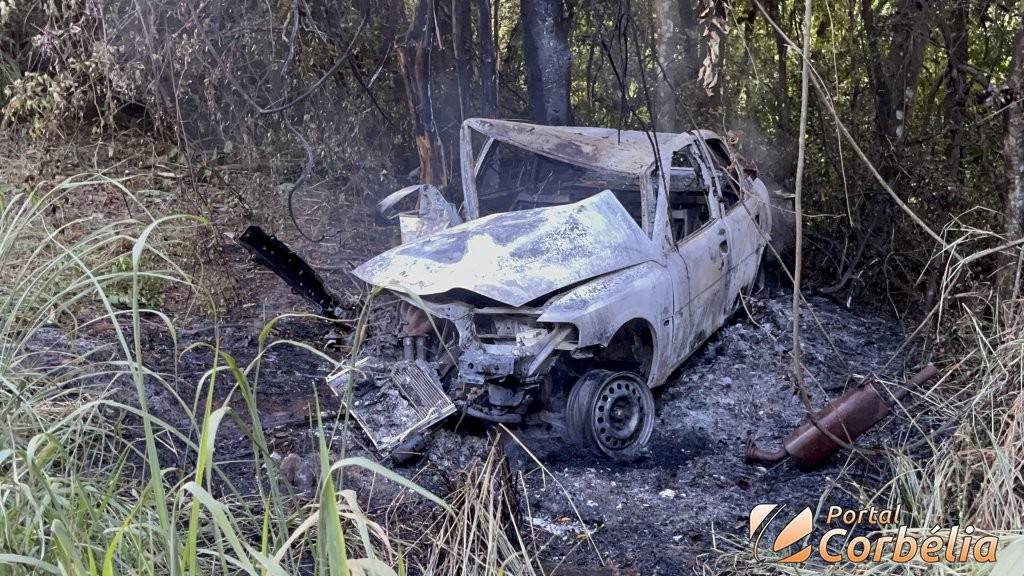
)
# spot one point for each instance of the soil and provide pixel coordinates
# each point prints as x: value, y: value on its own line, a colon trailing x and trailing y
x: 688, y: 494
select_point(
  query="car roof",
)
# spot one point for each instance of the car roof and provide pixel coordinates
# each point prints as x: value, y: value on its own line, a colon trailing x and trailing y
x: 627, y: 152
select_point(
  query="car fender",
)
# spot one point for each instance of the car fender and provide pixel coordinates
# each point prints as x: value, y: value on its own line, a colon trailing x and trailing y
x: 600, y: 307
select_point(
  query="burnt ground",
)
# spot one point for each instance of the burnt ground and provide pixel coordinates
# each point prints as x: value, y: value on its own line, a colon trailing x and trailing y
x: 690, y: 493
x: 692, y: 486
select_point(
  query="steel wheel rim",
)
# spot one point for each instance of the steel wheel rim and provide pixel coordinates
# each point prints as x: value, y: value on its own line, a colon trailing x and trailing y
x: 620, y: 416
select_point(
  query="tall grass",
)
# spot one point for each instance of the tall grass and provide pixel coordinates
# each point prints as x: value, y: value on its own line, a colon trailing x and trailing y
x: 86, y: 482
x: 61, y: 496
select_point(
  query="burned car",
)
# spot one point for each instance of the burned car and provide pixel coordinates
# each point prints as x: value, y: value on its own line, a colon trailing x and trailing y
x: 583, y: 266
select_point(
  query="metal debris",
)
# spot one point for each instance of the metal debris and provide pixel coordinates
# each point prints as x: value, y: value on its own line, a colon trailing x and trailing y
x: 844, y: 419
x: 433, y: 212
x: 391, y: 402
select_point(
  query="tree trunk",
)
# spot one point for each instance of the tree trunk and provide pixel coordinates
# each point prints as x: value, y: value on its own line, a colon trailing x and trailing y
x: 772, y: 7
x: 1013, y: 154
x: 671, y: 64
x: 955, y: 33
x: 895, y: 78
x: 548, y: 60
x: 414, y: 59
x: 691, y: 38
x: 462, y: 35
x: 488, y: 61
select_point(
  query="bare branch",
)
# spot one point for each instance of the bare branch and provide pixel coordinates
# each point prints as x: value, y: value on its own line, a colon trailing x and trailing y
x: 798, y: 372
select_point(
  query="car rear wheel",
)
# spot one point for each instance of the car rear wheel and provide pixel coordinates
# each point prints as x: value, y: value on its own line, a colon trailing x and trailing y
x: 612, y: 412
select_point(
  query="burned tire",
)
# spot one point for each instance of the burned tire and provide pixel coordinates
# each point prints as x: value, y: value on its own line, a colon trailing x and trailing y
x: 612, y: 412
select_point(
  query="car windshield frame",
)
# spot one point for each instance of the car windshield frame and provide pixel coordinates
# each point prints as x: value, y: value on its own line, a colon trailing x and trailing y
x: 474, y: 161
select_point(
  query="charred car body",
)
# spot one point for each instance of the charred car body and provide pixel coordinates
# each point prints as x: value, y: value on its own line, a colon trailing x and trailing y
x: 583, y: 266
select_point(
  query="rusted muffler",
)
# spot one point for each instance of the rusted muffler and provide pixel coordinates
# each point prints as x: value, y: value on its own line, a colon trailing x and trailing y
x: 846, y: 418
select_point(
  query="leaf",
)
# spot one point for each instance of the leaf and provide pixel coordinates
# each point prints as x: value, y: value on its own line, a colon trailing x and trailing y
x: 1010, y: 559
x: 376, y: 468
x: 226, y: 523
x: 12, y: 559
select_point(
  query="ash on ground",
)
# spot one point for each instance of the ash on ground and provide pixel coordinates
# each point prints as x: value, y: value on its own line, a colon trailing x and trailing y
x: 690, y: 492
x: 691, y: 486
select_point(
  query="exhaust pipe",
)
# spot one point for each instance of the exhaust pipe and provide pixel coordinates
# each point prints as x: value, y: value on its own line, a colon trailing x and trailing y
x: 846, y: 418
x: 755, y: 455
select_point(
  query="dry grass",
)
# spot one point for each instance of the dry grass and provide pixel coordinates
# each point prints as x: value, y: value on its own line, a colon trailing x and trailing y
x: 481, y: 537
x: 84, y: 486
x: 961, y: 458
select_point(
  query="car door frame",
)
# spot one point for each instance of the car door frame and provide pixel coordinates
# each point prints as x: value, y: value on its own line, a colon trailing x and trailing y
x: 745, y: 219
x: 701, y: 261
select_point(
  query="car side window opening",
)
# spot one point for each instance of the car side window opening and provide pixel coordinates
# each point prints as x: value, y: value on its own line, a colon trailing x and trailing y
x: 728, y: 172
x: 688, y: 206
x: 512, y: 178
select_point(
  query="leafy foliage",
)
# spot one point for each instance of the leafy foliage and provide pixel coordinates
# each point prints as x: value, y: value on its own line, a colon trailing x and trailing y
x: 229, y: 78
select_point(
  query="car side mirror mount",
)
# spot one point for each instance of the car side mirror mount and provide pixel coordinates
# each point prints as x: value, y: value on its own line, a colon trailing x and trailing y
x: 433, y: 212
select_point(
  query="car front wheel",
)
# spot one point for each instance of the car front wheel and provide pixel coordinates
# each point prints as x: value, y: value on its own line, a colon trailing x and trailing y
x: 611, y: 411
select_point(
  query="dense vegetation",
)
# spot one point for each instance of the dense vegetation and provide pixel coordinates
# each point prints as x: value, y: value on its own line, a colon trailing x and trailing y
x: 912, y: 198
x: 373, y: 94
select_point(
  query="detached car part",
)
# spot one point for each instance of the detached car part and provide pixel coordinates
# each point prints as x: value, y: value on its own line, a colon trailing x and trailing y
x: 433, y: 212
x: 274, y: 254
x: 846, y: 418
x: 391, y: 402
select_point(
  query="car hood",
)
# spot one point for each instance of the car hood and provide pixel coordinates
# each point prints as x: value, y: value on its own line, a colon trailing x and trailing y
x: 516, y: 257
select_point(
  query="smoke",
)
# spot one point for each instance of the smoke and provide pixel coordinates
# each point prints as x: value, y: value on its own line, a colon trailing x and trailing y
x: 772, y: 155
